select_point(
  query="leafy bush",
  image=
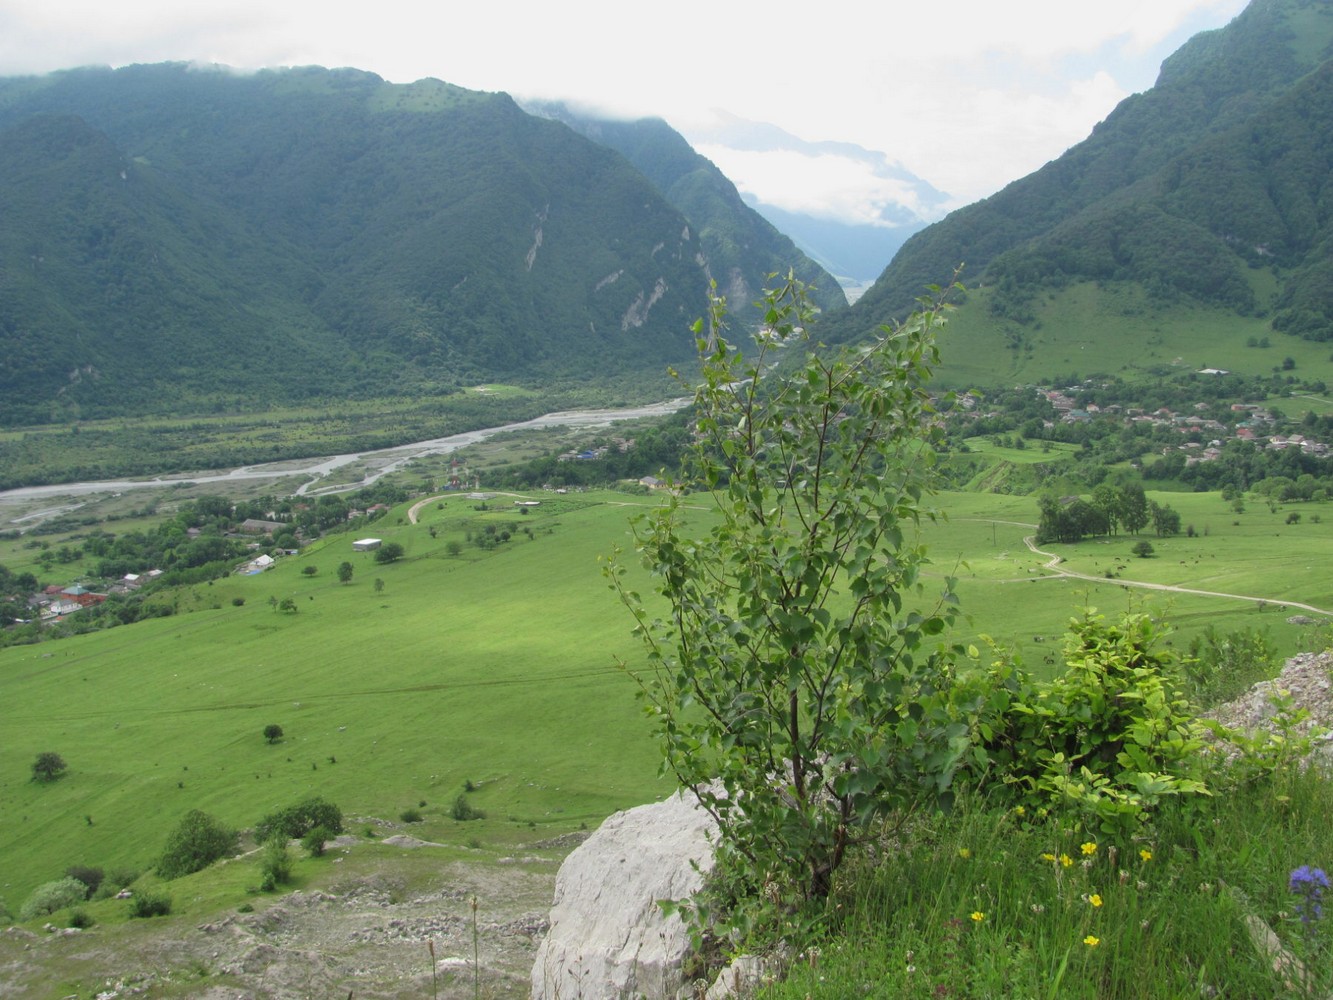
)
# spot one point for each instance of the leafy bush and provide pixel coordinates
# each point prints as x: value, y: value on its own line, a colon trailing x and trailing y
x: 410, y: 815
x: 149, y: 903
x: 276, y: 865
x: 78, y: 917
x: 90, y: 877
x: 272, y: 732
x: 296, y: 821
x: 793, y: 685
x: 1101, y: 745
x: 315, y: 840
x: 115, y: 880
x: 51, y: 896
x: 196, y: 843
x: 463, y: 810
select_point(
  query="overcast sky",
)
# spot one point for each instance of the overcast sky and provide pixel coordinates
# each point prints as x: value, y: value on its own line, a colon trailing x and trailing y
x: 968, y: 95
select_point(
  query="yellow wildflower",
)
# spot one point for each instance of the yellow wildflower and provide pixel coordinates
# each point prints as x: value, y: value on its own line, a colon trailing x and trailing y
x: 964, y: 852
x: 1048, y: 857
x: 1091, y: 941
x: 1066, y: 860
x: 978, y: 916
x: 1145, y: 854
x: 1089, y: 848
x: 1095, y: 900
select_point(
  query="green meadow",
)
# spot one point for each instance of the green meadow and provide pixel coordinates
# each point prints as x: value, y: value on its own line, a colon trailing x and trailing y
x: 498, y: 667
x: 1114, y: 329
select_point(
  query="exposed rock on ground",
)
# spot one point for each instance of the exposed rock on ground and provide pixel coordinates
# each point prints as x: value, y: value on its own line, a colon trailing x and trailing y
x: 367, y: 934
x: 1305, y: 679
x: 609, y: 940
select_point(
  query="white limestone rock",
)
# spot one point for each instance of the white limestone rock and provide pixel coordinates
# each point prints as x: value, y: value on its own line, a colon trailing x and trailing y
x: 609, y: 940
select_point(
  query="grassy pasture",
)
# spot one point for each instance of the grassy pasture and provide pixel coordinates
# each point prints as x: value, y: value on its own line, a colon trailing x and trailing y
x: 495, y: 667
x: 1110, y: 329
x: 1007, y: 592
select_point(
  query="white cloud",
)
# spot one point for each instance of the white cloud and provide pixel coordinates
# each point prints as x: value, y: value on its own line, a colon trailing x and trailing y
x: 969, y: 95
x: 832, y: 187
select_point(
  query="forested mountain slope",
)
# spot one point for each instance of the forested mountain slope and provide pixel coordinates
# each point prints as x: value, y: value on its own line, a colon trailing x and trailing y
x: 1222, y: 167
x: 742, y: 247
x: 178, y: 237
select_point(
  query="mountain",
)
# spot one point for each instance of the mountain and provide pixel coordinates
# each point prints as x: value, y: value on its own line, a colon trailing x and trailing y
x: 858, y: 241
x: 178, y: 237
x: 741, y: 246
x: 1212, y: 188
x: 854, y: 251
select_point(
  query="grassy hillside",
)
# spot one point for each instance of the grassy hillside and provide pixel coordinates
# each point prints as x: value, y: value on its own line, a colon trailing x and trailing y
x: 476, y: 668
x: 495, y: 667
x: 1115, y: 328
x: 1221, y: 167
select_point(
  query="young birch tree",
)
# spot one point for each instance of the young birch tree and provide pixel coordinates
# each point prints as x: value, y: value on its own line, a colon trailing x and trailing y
x: 786, y: 672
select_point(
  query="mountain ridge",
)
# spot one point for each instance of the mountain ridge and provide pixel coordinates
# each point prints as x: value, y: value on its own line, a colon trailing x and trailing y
x: 1218, y: 86
x: 182, y: 238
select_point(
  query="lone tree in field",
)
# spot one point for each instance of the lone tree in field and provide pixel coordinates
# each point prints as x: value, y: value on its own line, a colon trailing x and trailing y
x: 48, y: 767
x: 786, y: 678
x: 273, y: 732
x: 389, y: 552
x: 345, y: 570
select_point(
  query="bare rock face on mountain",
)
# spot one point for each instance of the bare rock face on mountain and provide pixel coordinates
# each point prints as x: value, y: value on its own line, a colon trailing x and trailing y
x: 609, y: 939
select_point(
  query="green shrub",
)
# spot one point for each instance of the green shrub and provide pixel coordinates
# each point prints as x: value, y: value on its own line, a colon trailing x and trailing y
x: 1101, y: 745
x: 410, y: 815
x: 315, y: 840
x: 90, y: 877
x: 149, y: 903
x: 78, y: 917
x: 115, y: 880
x: 463, y: 810
x: 276, y: 865
x: 296, y: 821
x: 196, y: 843
x: 51, y: 896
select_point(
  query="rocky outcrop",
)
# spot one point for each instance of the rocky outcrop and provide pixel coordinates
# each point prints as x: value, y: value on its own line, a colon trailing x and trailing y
x: 609, y: 939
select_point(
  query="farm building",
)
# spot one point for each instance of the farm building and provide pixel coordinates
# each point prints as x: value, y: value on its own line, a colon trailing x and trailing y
x: 365, y: 544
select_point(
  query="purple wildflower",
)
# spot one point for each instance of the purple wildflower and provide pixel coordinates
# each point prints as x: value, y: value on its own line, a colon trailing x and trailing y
x: 1309, y: 883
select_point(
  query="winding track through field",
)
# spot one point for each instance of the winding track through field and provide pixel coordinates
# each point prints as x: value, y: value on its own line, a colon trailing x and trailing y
x: 1053, y: 561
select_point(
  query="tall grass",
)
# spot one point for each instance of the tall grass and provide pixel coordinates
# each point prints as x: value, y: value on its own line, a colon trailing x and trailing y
x: 983, y: 904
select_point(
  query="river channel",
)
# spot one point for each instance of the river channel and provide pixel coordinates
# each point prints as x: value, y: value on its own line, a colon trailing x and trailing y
x: 27, y: 506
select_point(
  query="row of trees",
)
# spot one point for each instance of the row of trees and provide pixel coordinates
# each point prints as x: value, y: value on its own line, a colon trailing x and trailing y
x: 1110, y: 509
